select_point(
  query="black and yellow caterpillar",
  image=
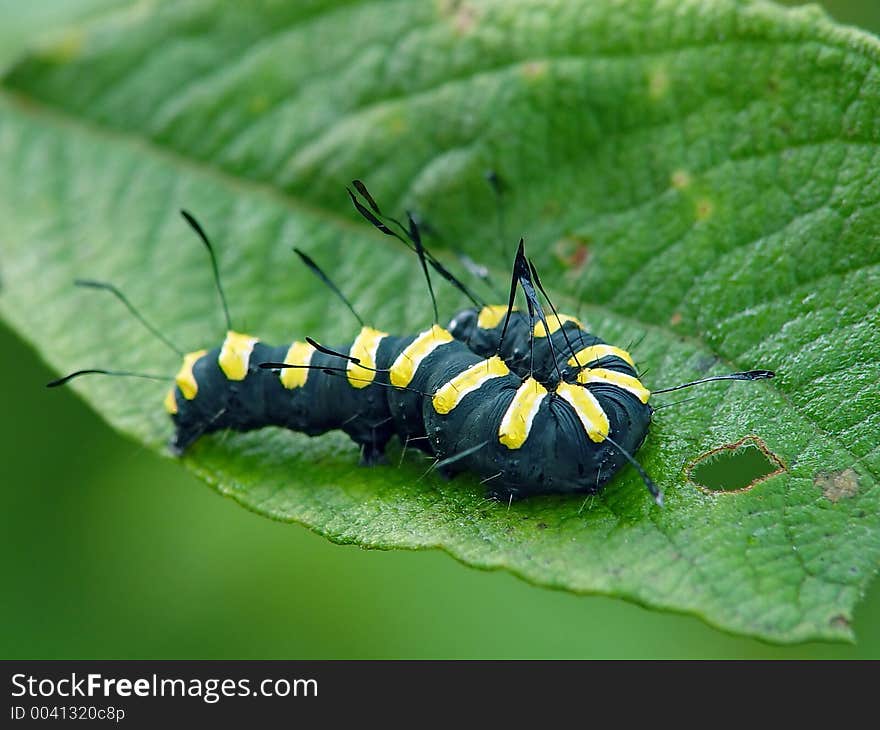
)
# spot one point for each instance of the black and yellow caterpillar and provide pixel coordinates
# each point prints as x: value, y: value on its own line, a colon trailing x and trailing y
x: 536, y: 437
x: 531, y: 404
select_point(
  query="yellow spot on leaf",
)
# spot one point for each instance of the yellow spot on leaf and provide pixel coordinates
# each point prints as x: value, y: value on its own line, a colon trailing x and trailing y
x: 704, y: 209
x: 65, y: 47
x: 680, y: 179
x: 258, y: 104
x: 396, y: 125
x: 658, y: 82
x: 534, y: 70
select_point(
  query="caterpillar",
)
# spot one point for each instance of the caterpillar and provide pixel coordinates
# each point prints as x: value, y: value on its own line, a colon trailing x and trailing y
x: 530, y: 403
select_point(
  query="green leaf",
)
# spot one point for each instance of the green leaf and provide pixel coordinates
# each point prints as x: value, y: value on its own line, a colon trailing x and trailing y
x: 715, y: 163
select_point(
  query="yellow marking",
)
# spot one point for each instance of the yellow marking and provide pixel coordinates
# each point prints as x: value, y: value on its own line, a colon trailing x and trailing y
x: 407, y: 362
x: 597, y: 352
x: 235, y: 355
x: 492, y: 315
x: 533, y: 70
x: 658, y: 82
x: 680, y: 179
x: 587, y: 408
x: 621, y: 380
x: 300, y: 353
x: 258, y: 104
x: 396, y: 125
x: 520, y: 414
x: 462, y: 15
x: 555, y: 322
x: 364, y: 348
x: 65, y: 47
x: 449, y: 396
x: 704, y: 209
x: 171, y: 402
x: 185, y: 379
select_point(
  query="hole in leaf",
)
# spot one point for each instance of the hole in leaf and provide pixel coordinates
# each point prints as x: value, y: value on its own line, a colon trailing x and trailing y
x: 734, y: 467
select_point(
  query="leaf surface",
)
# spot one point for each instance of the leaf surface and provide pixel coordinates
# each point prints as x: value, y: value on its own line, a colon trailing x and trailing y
x: 699, y: 178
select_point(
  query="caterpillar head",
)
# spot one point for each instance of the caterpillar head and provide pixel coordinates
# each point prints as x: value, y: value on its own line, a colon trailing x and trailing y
x: 200, y: 401
x: 463, y: 325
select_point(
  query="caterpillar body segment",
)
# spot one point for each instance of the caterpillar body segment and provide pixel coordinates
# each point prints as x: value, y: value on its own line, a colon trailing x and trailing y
x: 552, y: 451
x: 570, y: 346
x: 533, y: 439
x: 304, y: 398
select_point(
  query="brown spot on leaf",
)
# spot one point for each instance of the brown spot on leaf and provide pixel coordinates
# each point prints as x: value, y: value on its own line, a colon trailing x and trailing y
x: 840, y: 622
x: 462, y: 15
x: 573, y: 252
x: 680, y: 179
x: 551, y: 208
x: 675, y: 319
x: 658, y: 82
x: 704, y: 209
x: 533, y: 70
x: 837, y: 485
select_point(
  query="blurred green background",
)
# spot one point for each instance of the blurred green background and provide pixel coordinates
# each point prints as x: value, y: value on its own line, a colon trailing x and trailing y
x: 109, y: 551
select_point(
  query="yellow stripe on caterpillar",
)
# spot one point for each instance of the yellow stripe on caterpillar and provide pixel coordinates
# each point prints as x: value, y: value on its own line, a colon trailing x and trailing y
x: 517, y: 422
x: 364, y: 348
x: 235, y: 355
x: 407, y: 362
x: 587, y: 408
x: 593, y: 353
x: 185, y: 379
x: 554, y: 322
x: 621, y: 380
x: 299, y: 353
x: 450, y: 395
x: 492, y: 315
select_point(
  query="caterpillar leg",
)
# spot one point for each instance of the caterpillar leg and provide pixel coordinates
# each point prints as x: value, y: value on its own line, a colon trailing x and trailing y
x: 373, y: 441
x: 503, y: 494
x: 373, y: 455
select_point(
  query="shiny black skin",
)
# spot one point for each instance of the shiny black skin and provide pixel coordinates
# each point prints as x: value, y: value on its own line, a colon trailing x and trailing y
x: 326, y: 402
x: 515, y: 348
x: 560, y: 459
x: 556, y: 458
